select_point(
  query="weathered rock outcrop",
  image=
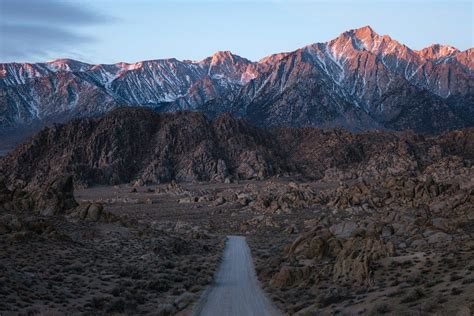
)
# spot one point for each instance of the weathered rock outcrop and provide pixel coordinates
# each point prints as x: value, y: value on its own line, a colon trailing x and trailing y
x: 354, y: 262
x: 28, y: 213
x: 140, y: 146
x: 366, y: 229
x: 54, y: 198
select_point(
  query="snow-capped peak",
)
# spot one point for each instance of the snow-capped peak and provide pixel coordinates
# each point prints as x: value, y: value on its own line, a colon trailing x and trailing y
x: 67, y: 65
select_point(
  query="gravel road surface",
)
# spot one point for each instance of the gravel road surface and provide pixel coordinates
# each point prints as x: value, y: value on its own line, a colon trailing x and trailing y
x: 236, y: 290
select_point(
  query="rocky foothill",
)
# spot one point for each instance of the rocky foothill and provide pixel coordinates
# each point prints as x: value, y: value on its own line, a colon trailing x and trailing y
x: 391, y: 244
x: 140, y: 146
x: 143, y: 147
x: 337, y: 222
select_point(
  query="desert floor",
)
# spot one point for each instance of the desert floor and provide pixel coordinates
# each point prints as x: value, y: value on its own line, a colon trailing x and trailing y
x: 155, y: 249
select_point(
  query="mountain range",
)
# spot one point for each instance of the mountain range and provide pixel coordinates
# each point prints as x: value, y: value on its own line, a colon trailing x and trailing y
x: 360, y: 80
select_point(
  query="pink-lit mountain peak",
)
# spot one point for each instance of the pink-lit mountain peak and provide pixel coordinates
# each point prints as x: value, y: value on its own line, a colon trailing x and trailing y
x: 364, y: 32
x: 359, y: 68
x: 437, y: 51
x: 224, y: 54
x: 224, y: 57
x: 66, y: 64
x: 365, y: 38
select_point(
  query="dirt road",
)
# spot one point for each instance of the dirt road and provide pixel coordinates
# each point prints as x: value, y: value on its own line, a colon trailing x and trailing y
x: 236, y: 290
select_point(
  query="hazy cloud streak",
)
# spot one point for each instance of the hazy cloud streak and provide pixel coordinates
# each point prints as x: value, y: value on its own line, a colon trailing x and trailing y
x: 34, y: 29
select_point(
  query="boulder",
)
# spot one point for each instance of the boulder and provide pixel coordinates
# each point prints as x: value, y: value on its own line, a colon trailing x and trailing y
x: 354, y: 261
x: 184, y: 300
x: 57, y: 198
x: 343, y: 229
x: 316, y: 244
x: 387, y: 231
x: 93, y: 212
x: 166, y: 310
x: 439, y: 237
x: 290, y: 276
x: 219, y: 201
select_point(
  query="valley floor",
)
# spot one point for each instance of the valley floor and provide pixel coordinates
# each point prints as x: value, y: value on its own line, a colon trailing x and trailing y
x: 155, y: 249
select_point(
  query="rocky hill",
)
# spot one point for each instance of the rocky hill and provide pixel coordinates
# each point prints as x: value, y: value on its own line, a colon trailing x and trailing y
x: 360, y: 80
x: 139, y: 145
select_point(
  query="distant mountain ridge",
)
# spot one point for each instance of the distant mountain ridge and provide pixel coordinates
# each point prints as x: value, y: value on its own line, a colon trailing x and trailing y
x: 360, y: 80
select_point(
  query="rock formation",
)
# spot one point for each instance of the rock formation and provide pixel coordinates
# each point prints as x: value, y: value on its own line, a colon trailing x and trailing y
x: 140, y: 146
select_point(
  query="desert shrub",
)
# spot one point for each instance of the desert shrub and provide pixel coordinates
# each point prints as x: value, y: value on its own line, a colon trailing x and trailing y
x: 132, y: 272
x: 413, y: 296
x: 468, y: 281
x: 116, y: 306
x: 455, y: 277
x: 380, y: 309
x: 430, y: 305
x: 98, y: 302
x: 455, y: 291
x: 158, y: 285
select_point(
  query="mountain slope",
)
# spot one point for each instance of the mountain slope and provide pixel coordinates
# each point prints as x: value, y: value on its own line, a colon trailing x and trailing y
x: 360, y: 80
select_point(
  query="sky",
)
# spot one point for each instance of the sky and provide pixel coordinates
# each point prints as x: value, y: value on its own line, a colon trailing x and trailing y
x: 110, y: 31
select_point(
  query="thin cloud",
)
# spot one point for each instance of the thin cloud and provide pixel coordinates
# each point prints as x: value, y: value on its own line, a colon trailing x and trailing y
x: 36, y: 29
x: 50, y: 11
